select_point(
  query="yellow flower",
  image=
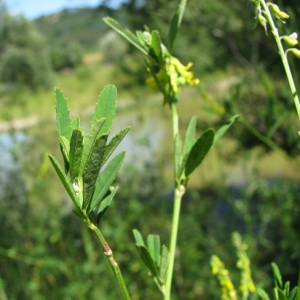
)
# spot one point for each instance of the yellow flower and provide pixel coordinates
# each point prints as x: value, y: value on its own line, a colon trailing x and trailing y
x: 180, y: 74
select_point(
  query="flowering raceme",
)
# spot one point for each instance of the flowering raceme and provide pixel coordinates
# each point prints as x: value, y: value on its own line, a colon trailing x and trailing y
x: 171, y: 76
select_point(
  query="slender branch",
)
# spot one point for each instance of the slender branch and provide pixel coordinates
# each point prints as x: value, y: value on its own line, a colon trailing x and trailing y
x: 282, y: 55
x: 175, y: 224
x: 175, y: 121
x: 261, y: 137
x: 109, y: 254
x: 178, y: 193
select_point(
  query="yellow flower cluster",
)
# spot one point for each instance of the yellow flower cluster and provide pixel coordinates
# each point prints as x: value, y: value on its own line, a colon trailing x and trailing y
x: 246, y: 284
x: 243, y: 263
x: 171, y: 76
x: 218, y: 269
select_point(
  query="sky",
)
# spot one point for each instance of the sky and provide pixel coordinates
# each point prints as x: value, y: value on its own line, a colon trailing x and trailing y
x: 32, y: 9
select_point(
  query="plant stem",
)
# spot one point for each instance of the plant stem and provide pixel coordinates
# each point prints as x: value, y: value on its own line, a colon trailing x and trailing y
x: 282, y: 55
x: 109, y: 254
x: 178, y: 193
x: 175, y: 223
x: 175, y: 121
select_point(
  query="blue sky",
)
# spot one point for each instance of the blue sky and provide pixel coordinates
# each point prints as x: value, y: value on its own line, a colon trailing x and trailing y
x: 35, y: 8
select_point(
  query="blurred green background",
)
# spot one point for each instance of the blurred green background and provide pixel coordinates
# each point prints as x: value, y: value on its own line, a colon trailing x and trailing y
x: 246, y: 184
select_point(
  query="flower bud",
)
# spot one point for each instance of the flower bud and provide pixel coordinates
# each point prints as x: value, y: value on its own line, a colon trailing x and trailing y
x: 279, y: 13
x: 263, y: 21
x: 295, y: 51
x: 291, y: 39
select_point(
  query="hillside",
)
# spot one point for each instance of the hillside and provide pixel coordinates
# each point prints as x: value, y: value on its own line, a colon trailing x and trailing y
x: 84, y: 26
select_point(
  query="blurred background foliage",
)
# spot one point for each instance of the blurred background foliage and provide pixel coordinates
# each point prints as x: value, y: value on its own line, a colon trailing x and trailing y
x: 250, y: 183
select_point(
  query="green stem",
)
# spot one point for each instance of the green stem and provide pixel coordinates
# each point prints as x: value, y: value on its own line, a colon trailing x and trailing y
x: 109, y: 254
x: 175, y: 120
x: 178, y: 193
x: 175, y: 223
x: 283, y: 56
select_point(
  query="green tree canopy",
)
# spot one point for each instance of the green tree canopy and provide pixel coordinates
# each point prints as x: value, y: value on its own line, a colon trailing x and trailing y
x: 24, y: 59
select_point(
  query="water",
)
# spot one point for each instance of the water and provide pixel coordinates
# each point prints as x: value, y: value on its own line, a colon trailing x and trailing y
x: 11, y: 183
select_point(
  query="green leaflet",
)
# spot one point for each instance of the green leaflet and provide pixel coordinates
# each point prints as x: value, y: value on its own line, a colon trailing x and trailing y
x: 62, y: 115
x: 263, y: 294
x: 199, y: 151
x: 75, y: 124
x: 92, y: 169
x: 143, y: 41
x: 277, y: 275
x: 138, y: 237
x: 153, y: 243
x: 105, y: 180
x: 125, y: 33
x: 105, y: 108
x: 113, y: 144
x: 190, y: 135
x: 76, y: 147
x: 222, y: 130
x: 156, y: 44
x: 188, y: 144
x: 89, y: 143
x: 144, y: 253
x: 147, y: 258
x: 282, y: 295
x: 65, y: 149
x: 175, y: 23
x: 105, y: 203
x: 64, y: 179
x: 294, y: 294
x: 164, y: 262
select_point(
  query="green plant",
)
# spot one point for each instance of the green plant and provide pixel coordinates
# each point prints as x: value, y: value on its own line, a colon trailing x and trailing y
x: 281, y: 291
x: 84, y: 154
x: 171, y: 76
x: 264, y: 15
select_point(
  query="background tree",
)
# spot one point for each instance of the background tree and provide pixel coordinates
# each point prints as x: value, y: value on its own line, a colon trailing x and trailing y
x: 24, y: 59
